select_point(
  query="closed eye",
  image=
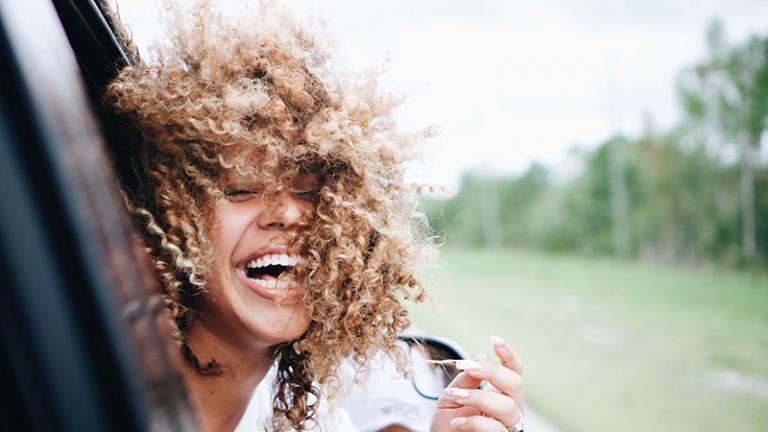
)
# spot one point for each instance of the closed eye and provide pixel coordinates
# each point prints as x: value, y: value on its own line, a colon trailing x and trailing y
x: 237, y: 194
x: 306, y: 187
x: 307, y: 195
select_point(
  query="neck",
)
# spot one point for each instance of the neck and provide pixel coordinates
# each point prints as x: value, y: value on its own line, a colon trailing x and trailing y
x: 223, y: 398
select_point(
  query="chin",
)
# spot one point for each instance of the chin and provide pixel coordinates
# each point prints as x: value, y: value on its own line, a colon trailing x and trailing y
x: 273, y: 324
x: 271, y: 338
x: 251, y: 316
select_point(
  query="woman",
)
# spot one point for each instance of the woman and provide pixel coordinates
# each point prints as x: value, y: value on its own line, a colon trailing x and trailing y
x: 269, y: 191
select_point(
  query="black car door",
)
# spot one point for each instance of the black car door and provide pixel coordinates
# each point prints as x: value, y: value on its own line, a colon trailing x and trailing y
x: 82, y: 346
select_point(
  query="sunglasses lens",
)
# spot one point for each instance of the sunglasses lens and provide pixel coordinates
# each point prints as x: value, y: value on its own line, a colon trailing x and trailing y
x: 429, y: 379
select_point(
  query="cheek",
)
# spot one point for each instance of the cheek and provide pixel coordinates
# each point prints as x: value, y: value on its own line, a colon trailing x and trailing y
x: 229, y: 224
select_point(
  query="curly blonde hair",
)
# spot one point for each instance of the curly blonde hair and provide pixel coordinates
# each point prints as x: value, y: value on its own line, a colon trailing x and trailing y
x: 263, y: 98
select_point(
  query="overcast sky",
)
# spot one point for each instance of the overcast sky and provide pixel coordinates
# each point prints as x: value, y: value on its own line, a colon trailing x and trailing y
x: 509, y: 82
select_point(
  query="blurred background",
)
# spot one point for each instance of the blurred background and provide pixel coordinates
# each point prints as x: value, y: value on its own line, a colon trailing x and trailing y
x: 602, y: 193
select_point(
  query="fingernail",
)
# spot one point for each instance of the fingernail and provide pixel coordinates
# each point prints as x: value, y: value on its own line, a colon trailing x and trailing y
x: 459, y: 421
x: 480, y: 357
x: 469, y: 365
x: 497, y: 341
x: 456, y: 394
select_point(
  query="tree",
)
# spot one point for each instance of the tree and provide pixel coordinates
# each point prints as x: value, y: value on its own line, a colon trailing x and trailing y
x: 619, y: 200
x: 726, y: 96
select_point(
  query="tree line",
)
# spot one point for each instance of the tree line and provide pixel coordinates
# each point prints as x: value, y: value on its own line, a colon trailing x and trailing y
x: 696, y: 192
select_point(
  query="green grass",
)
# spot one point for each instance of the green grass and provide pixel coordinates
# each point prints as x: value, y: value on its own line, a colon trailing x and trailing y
x: 611, y: 345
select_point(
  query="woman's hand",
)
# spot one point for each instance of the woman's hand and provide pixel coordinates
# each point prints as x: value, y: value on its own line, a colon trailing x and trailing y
x: 496, y: 408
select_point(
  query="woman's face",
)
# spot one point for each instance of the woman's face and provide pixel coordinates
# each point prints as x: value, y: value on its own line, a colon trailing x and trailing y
x: 251, y: 297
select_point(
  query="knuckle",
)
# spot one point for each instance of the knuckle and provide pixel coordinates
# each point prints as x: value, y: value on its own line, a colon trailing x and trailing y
x: 475, y: 423
x: 472, y: 398
x: 516, y: 383
x: 478, y: 397
x: 510, y: 406
x: 497, y: 370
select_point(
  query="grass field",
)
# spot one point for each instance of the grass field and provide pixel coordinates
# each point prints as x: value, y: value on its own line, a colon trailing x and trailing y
x: 615, y: 346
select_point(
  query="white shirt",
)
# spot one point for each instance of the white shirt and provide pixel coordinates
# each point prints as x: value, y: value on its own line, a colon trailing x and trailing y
x: 258, y: 415
x: 385, y: 399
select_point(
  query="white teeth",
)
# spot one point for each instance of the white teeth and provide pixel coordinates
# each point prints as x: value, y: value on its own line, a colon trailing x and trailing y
x: 272, y: 283
x: 275, y: 259
x: 266, y: 283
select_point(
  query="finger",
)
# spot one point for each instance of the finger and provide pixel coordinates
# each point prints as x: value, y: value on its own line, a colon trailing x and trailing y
x: 477, y: 423
x: 507, y: 356
x: 459, y: 411
x: 491, y: 388
x: 496, y: 405
x: 467, y: 381
x: 504, y: 379
x: 463, y: 381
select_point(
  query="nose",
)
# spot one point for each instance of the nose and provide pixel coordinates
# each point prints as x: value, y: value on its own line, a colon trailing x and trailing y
x: 281, y: 214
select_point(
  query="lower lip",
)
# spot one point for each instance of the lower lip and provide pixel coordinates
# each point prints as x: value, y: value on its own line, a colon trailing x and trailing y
x: 273, y: 294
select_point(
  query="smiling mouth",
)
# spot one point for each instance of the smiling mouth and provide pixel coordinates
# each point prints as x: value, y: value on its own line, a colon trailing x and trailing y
x: 266, y: 271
